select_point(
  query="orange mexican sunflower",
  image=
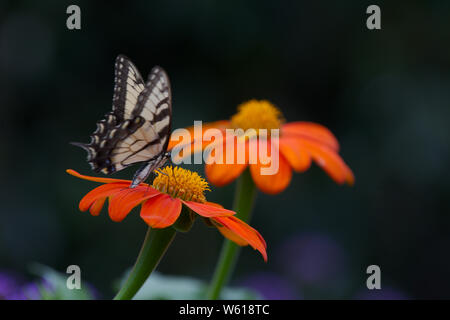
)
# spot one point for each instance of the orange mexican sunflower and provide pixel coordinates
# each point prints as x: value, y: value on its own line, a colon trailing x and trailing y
x: 162, y: 202
x: 298, y: 145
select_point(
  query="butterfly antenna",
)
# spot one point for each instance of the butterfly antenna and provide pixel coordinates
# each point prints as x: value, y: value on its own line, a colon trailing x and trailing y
x: 173, y: 169
x: 163, y: 173
x: 152, y: 177
x: 174, y: 176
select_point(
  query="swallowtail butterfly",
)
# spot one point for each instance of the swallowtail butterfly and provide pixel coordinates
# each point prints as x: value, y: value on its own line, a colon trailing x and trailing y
x: 137, y: 130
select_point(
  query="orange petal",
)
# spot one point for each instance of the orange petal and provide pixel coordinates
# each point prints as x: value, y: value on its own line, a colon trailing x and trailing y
x: 207, y: 210
x: 101, y: 192
x: 188, y: 151
x: 96, y: 179
x: 161, y: 211
x: 124, y: 201
x: 214, y: 204
x: 221, y: 174
x: 312, y: 131
x: 97, y: 206
x: 272, y: 184
x: 230, y: 235
x: 243, y: 233
x: 329, y: 161
x: 297, y: 156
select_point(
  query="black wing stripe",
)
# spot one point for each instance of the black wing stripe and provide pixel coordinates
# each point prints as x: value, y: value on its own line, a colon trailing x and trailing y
x: 165, y: 132
x: 151, y: 143
x: 156, y: 90
x: 160, y: 116
x: 128, y: 81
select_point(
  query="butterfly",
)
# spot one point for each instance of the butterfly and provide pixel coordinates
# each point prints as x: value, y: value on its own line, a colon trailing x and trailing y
x: 137, y: 130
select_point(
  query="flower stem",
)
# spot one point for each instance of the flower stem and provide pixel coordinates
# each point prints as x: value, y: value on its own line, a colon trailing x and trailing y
x: 244, y: 199
x: 155, y: 245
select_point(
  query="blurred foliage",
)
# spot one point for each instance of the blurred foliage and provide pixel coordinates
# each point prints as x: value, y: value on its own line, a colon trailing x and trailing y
x: 164, y: 287
x: 53, y: 285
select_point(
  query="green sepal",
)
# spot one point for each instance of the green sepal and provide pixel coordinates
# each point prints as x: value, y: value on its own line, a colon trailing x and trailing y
x: 208, y: 222
x: 185, y: 220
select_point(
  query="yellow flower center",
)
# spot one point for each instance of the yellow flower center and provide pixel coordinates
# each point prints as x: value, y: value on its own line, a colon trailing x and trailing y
x: 257, y: 114
x: 181, y: 183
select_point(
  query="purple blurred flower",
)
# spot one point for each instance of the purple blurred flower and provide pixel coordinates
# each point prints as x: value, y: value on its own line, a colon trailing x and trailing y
x: 385, y: 293
x: 12, y: 287
x: 313, y: 259
x: 271, y: 286
x: 16, y: 296
x: 31, y: 290
x: 95, y: 294
x: 8, y: 285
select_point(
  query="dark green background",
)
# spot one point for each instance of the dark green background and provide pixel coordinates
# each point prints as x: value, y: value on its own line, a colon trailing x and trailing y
x: 385, y: 94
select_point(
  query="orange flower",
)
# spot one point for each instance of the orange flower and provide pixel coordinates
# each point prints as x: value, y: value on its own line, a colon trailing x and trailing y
x: 298, y: 145
x: 162, y: 202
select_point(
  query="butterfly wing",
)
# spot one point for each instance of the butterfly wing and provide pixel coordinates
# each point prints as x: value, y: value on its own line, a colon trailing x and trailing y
x: 139, y: 125
x: 128, y: 85
x: 155, y: 105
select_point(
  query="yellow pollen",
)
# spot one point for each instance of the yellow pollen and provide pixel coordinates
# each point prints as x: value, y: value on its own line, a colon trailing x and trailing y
x: 257, y: 114
x: 181, y: 183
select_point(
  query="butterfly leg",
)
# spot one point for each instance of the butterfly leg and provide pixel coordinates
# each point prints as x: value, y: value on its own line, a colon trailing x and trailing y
x: 142, y: 174
x: 152, y: 177
x: 165, y: 174
x: 168, y: 157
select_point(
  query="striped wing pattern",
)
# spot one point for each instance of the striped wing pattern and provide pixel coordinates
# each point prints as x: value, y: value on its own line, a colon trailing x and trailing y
x: 128, y: 85
x: 138, y: 127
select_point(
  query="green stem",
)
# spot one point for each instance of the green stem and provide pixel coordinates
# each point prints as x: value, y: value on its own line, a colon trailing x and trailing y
x: 155, y: 245
x: 244, y: 198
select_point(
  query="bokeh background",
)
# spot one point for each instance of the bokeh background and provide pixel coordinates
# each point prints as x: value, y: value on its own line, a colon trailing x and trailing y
x: 385, y: 94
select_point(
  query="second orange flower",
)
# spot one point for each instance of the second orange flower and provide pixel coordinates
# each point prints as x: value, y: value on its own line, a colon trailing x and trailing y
x: 299, y: 144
